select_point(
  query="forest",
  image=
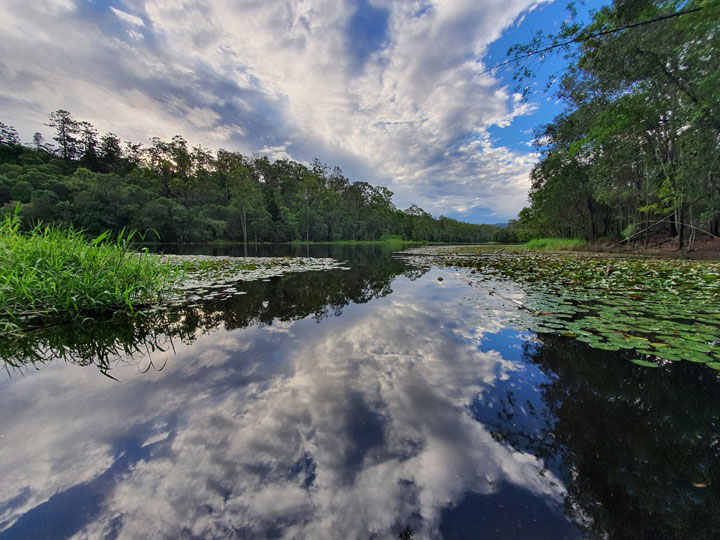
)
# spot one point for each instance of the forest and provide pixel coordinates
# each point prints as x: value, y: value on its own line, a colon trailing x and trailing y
x: 635, y: 153
x: 172, y: 192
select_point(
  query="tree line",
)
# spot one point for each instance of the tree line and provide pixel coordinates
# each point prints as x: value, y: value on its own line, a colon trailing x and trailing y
x: 187, y: 193
x: 635, y: 154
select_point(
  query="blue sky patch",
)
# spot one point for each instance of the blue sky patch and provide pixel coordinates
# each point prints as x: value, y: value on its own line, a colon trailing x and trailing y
x: 367, y: 32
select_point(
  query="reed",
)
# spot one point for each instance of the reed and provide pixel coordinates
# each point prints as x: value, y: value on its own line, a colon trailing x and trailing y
x: 57, y: 273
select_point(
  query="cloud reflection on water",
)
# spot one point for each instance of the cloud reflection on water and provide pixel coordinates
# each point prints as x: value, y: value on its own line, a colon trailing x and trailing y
x: 351, y: 428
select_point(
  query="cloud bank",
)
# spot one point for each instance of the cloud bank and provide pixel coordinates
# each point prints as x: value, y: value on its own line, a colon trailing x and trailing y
x: 393, y: 92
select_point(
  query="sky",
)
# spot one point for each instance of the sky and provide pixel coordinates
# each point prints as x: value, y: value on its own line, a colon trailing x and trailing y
x: 395, y: 93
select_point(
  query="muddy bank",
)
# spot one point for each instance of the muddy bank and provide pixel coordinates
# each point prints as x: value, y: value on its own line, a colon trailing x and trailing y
x: 703, y: 249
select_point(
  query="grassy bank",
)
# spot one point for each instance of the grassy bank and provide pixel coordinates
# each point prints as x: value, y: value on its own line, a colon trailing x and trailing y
x: 60, y: 274
x: 556, y: 244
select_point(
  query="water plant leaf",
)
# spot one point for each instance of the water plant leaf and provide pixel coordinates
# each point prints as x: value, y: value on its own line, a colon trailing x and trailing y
x: 644, y: 363
x: 662, y: 308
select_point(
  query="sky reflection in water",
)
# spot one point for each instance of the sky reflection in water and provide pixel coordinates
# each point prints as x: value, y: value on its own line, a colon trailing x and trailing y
x: 401, y: 411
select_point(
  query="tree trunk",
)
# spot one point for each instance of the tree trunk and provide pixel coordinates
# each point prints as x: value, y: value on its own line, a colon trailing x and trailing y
x: 680, y: 228
x: 715, y: 225
x: 244, y: 225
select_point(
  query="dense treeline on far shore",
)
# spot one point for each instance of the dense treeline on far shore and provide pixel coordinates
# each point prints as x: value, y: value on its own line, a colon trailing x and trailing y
x: 636, y: 152
x: 186, y: 194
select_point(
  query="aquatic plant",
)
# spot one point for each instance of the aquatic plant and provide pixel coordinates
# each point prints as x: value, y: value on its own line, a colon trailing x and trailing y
x: 661, y: 309
x: 54, y: 273
x: 205, y: 277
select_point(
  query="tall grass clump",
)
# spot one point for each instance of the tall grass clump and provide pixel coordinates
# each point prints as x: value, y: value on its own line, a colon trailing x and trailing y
x: 52, y: 273
x: 556, y: 244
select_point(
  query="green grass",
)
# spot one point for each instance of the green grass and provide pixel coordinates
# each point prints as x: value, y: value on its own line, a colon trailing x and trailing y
x: 556, y: 244
x: 52, y: 273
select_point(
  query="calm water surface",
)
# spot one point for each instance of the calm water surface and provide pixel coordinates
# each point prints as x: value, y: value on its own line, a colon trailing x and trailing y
x: 375, y: 402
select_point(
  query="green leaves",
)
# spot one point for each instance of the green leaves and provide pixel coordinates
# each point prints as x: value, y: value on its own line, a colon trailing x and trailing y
x: 637, y: 138
x: 661, y: 309
x: 52, y: 274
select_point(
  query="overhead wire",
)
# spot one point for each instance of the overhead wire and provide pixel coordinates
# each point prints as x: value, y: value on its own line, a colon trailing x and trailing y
x: 580, y: 39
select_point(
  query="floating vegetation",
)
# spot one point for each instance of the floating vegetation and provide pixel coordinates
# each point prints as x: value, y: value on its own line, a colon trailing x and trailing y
x: 206, y: 278
x: 661, y: 309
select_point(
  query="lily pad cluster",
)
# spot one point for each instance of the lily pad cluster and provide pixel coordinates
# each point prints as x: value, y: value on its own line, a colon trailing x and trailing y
x: 661, y: 309
x: 205, y: 277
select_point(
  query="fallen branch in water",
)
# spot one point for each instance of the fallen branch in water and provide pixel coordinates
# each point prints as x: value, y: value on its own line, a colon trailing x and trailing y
x: 493, y: 292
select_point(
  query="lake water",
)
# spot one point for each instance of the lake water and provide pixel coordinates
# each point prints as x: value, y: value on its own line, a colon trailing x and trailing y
x: 385, y: 401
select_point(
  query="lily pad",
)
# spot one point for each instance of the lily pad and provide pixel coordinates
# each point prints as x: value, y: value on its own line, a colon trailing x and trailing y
x: 664, y: 308
x: 644, y: 363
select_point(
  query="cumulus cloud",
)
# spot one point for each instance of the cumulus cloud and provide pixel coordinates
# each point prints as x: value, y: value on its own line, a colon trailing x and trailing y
x: 345, y: 429
x: 392, y: 91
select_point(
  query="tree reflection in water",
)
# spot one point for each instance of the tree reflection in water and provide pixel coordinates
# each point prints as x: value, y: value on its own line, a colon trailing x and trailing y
x: 105, y: 343
x: 638, y: 448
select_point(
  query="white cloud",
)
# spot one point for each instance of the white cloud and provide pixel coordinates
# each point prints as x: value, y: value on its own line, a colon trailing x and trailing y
x: 127, y: 17
x: 336, y: 430
x: 276, y: 152
x: 414, y: 116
